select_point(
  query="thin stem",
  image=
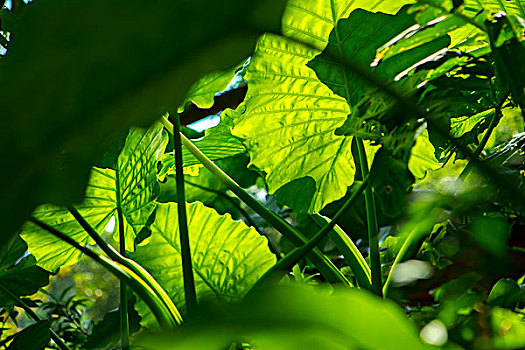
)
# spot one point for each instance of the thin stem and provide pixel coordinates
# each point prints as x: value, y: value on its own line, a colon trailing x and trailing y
x: 244, y: 213
x: 124, y: 312
x: 351, y: 253
x: 482, y: 144
x: 371, y: 220
x: 298, y: 253
x: 130, y: 264
x: 325, y: 266
x: 160, y: 311
x: 58, y: 341
x: 187, y: 268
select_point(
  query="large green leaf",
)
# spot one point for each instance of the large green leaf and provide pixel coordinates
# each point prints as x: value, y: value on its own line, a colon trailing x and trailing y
x: 78, y: 73
x: 356, y: 39
x: 227, y: 256
x: 297, y: 318
x: 375, y: 115
x: 131, y: 188
x: 22, y: 277
x: 463, y: 21
x: 291, y: 116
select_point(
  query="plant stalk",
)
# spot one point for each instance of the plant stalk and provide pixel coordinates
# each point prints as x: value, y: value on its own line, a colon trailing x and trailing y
x: 244, y: 213
x: 298, y: 253
x: 124, y: 312
x: 482, y: 144
x: 130, y: 264
x: 325, y: 266
x: 371, y: 220
x: 184, y: 236
x: 160, y: 311
x: 19, y: 302
x: 351, y: 253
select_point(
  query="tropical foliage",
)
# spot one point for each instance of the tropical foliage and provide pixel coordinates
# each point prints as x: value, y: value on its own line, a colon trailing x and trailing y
x: 361, y: 187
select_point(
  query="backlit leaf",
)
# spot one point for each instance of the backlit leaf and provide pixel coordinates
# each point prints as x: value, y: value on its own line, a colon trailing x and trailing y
x: 132, y: 188
x: 227, y: 256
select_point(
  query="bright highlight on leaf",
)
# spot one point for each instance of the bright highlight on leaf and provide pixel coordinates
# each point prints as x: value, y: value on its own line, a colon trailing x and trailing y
x: 228, y: 257
x: 131, y: 188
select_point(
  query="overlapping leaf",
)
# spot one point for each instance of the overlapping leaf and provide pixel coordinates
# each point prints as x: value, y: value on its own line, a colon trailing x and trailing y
x: 209, y: 190
x: 202, y: 93
x: 297, y: 318
x: 218, y: 143
x: 78, y: 73
x: 22, y: 277
x: 131, y: 188
x: 291, y: 116
x: 227, y: 256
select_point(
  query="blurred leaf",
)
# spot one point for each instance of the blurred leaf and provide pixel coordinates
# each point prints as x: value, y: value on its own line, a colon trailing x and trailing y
x: 132, y: 188
x: 34, y: 337
x: 77, y: 74
x: 505, y: 293
x: 227, y: 256
x: 297, y: 318
x: 508, y: 328
x: 107, y: 330
x: 491, y: 233
x: 456, y: 287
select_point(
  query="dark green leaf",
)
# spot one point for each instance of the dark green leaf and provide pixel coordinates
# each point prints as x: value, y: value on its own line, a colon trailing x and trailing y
x: 79, y: 73
x: 505, y: 293
x: 25, y: 278
x: 34, y: 337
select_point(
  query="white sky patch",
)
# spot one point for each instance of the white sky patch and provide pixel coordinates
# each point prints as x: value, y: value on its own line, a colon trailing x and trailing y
x: 110, y: 227
x: 206, y: 123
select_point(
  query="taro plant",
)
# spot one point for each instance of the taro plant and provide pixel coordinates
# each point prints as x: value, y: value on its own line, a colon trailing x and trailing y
x: 361, y: 187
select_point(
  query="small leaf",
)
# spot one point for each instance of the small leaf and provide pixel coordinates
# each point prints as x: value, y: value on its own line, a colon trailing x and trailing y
x: 505, y: 293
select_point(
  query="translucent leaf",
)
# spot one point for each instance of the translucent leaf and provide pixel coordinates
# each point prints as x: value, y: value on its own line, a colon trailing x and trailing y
x: 132, y: 188
x: 79, y: 73
x: 204, y: 90
x: 227, y: 256
x: 291, y: 116
x: 218, y: 143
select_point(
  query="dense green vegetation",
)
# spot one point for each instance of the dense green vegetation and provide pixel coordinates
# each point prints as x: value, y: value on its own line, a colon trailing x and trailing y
x: 363, y: 188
